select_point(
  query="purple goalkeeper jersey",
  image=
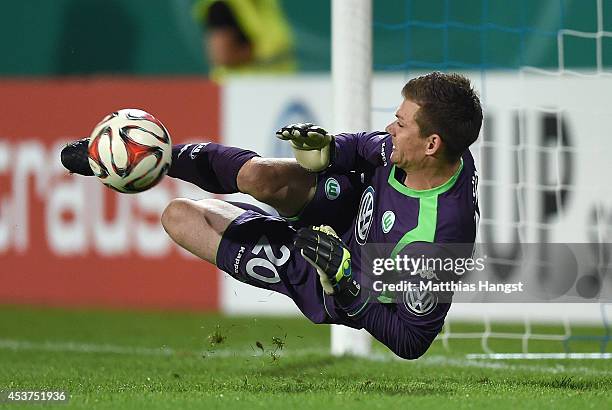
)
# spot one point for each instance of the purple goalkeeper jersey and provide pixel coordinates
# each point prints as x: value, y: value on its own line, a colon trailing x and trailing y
x: 393, y: 214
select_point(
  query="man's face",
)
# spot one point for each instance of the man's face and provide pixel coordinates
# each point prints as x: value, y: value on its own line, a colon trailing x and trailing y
x: 408, y: 145
x: 224, y: 48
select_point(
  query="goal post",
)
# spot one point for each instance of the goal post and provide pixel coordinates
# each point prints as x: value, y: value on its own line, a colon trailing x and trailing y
x: 351, y: 79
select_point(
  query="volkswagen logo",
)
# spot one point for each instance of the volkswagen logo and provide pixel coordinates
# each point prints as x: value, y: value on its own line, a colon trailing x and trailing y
x: 365, y: 216
x: 420, y: 302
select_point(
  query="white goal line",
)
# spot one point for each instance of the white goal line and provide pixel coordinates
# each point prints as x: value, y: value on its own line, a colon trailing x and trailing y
x: 539, y: 356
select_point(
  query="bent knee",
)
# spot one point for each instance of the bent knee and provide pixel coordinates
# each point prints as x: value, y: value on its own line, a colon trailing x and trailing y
x: 186, y: 215
x: 181, y: 211
x: 175, y: 214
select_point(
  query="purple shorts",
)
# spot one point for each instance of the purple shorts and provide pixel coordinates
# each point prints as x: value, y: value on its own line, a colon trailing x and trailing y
x: 258, y: 249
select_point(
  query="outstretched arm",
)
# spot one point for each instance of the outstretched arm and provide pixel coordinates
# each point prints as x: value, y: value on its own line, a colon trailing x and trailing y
x: 390, y: 326
x: 315, y: 149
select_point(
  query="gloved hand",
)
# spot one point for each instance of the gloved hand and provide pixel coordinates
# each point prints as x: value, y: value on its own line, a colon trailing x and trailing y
x: 311, y: 145
x: 320, y: 246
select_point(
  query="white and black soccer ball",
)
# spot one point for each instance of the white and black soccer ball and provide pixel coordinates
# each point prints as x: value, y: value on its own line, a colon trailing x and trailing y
x: 130, y: 150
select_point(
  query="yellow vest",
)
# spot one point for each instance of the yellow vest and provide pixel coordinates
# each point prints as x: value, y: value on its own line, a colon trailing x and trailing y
x: 264, y: 24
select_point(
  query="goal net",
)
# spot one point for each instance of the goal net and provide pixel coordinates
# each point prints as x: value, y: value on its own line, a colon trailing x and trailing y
x: 543, y: 73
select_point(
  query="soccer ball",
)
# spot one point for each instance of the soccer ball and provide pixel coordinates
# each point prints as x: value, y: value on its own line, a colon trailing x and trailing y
x: 130, y: 151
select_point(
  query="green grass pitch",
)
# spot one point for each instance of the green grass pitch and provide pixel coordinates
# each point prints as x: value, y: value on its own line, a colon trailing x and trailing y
x: 180, y: 361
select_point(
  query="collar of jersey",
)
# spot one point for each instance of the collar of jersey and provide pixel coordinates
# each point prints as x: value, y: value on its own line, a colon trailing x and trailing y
x: 424, y: 193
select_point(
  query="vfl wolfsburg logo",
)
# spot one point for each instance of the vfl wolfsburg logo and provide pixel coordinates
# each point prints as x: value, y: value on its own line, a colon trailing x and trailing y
x: 420, y: 302
x: 388, y: 219
x: 332, y: 189
x: 365, y: 216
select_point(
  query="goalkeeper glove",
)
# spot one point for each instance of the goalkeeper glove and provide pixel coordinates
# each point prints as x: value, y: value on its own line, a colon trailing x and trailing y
x: 311, y: 145
x: 322, y: 248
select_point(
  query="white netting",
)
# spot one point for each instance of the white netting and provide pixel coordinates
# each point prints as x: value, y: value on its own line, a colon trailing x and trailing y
x: 557, y: 157
x: 543, y: 71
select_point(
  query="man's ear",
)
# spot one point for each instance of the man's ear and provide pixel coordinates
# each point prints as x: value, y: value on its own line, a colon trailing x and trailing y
x: 434, y: 145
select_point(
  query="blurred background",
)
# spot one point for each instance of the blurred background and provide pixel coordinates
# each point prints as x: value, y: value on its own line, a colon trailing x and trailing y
x: 164, y: 37
x: 235, y: 71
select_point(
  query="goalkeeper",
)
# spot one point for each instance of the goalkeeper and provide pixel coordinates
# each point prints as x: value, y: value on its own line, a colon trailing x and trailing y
x: 414, y: 183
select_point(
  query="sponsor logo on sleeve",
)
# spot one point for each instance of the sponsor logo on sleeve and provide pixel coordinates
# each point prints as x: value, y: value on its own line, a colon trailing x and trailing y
x: 383, y: 155
x: 185, y: 147
x: 196, y: 150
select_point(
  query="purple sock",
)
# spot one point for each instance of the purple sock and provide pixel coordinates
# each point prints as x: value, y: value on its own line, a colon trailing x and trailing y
x: 213, y: 167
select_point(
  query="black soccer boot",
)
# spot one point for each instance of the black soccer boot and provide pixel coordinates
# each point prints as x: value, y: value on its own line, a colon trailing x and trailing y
x: 75, y: 157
